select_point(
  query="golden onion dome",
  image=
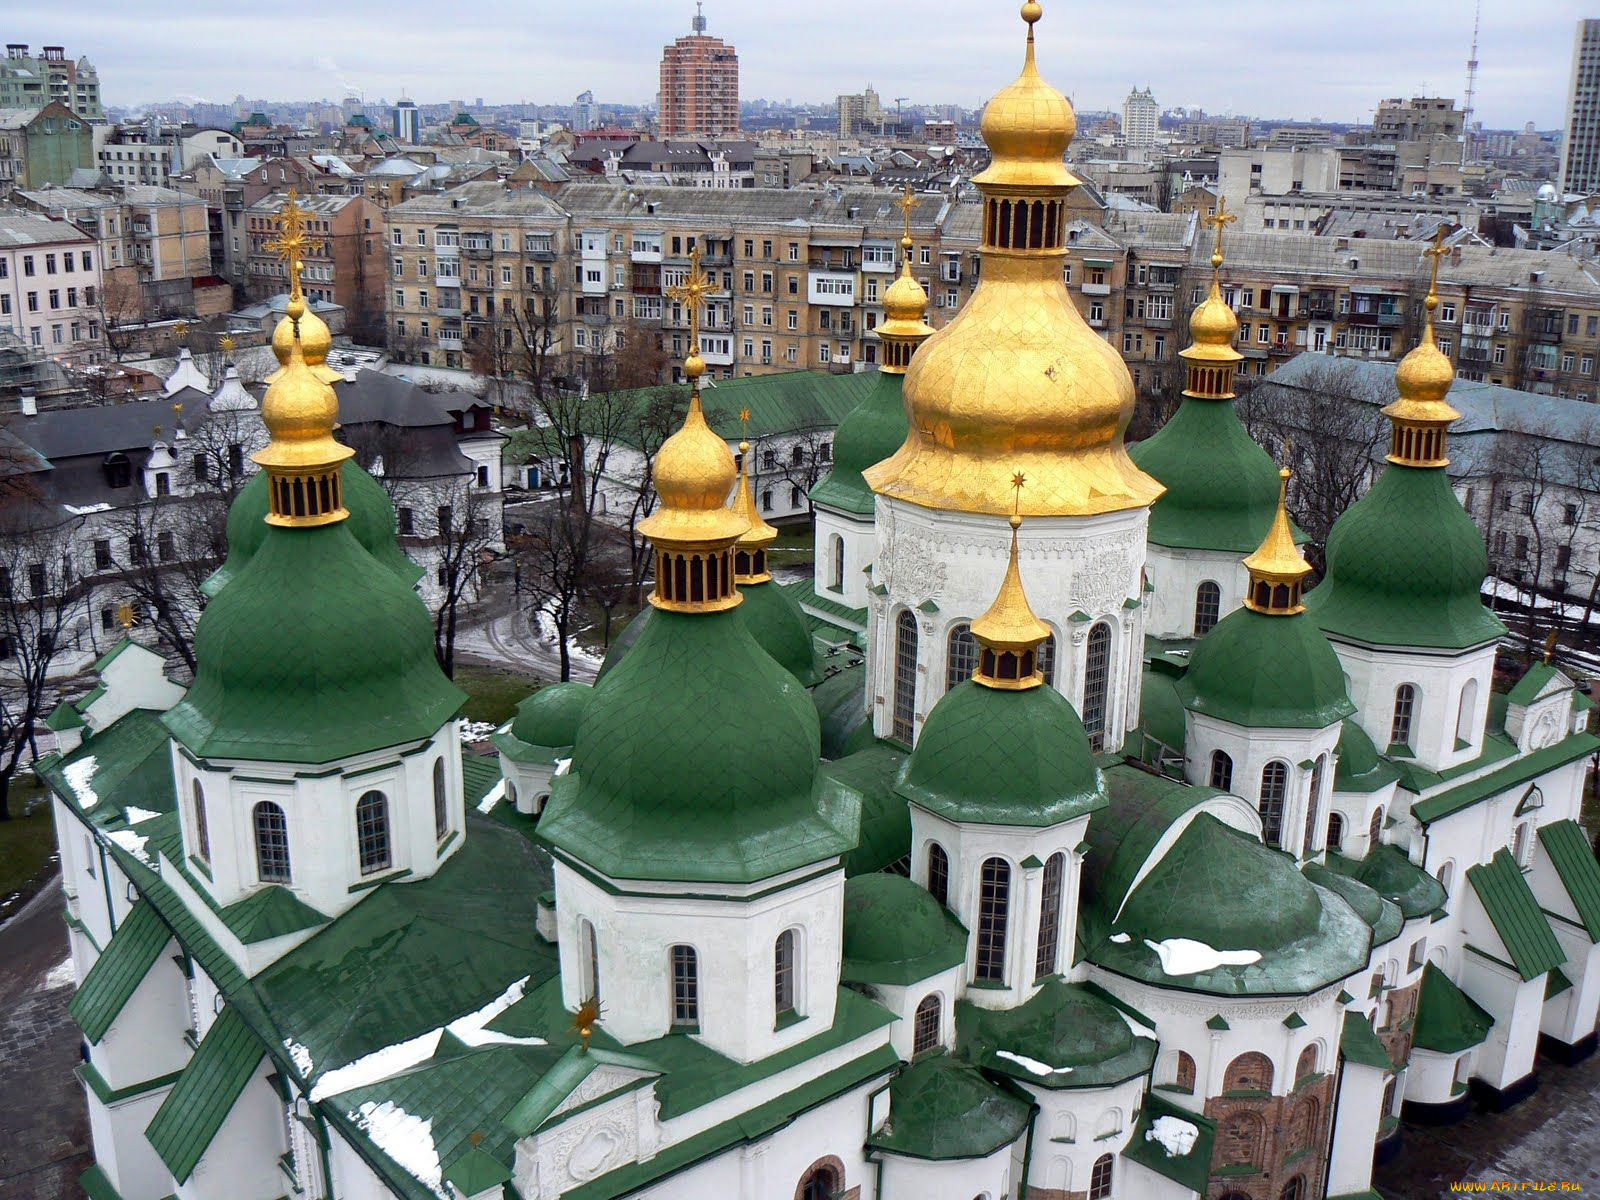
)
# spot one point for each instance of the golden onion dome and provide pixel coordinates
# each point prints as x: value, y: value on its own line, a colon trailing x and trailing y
x: 315, y: 342
x: 905, y: 300
x: 1028, y: 127
x: 300, y: 412
x: 693, y: 474
x: 1423, y: 378
x: 1213, y: 326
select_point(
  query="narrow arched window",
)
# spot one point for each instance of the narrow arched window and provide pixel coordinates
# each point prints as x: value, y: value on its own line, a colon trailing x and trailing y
x: 1055, y: 870
x: 783, y: 972
x: 938, y: 874
x: 836, y: 562
x: 1313, y: 803
x: 202, y: 830
x: 1207, y: 607
x: 685, y: 986
x: 1047, y: 660
x: 1335, y: 831
x: 1307, y: 1065
x: 1274, y: 787
x: 1466, y: 713
x: 1446, y: 877
x: 1100, y: 1177
x: 1097, y: 684
x: 1185, y: 1077
x: 994, y: 906
x: 441, y: 801
x: 821, y: 1183
x: 372, y: 832
x: 590, y: 967
x: 1522, y: 844
x: 961, y: 656
x: 1375, y: 830
x: 1405, y: 703
x: 925, y: 1025
x: 1295, y: 1189
x: 1221, y: 771
x: 272, y: 843
x: 905, y: 677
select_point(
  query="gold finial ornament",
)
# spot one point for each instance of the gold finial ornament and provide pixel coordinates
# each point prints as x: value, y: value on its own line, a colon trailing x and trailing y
x: 1009, y: 634
x: 1212, y: 359
x: 126, y: 617
x: 1018, y: 380
x: 291, y: 245
x: 1277, y: 568
x: 584, y: 1021
x: 1421, y: 416
x: 750, y: 550
x: 226, y: 344
x: 691, y: 293
x: 906, y: 303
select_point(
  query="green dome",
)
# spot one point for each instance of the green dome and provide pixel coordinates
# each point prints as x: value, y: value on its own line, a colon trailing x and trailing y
x: 1266, y: 672
x: 312, y: 653
x: 841, y: 701
x: 1367, y: 903
x: 1359, y: 768
x: 941, y: 1108
x: 872, y: 432
x: 1061, y: 1026
x: 896, y: 933
x: 999, y: 757
x: 696, y: 760
x: 1222, y: 488
x: 623, y: 641
x: 776, y: 622
x: 247, y: 526
x: 550, y: 716
x: 1406, y: 567
x: 1387, y: 871
x: 1160, y: 711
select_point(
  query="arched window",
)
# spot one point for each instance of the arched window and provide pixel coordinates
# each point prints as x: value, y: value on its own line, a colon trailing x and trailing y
x: 1185, y: 1076
x: 1055, y: 870
x: 925, y: 1025
x: 938, y: 874
x: 821, y: 1183
x: 1335, y: 831
x: 441, y: 801
x: 1389, y: 1096
x: 1097, y: 684
x: 1100, y: 1177
x: 272, y: 843
x: 590, y: 967
x: 1522, y: 844
x: 1047, y: 660
x: 783, y: 972
x: 1250, y: 1072
x: 372, y: 832
x: 1446, y: 877
x: 1313, y: 803
x: 905, y: 677
x: 1274, y: 787
x: 994, y: 905
x: 1207, y: 607
x: 1221, y: 771
x: 511, y: 793
x: 961, y: 656
x: 836, y: 562
x: 1405, y: 703
x: 202, y: 831
x: 685, y: 986
x: 1307, y: 1064
x: 1295, y: 1189
x: 1467, y: 712
x: 1303, y: 1124
x: 1375, y: 830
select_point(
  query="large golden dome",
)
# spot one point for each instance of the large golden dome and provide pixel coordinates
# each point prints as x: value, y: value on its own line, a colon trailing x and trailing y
x: 1028, y: 127
x: 299, y: 410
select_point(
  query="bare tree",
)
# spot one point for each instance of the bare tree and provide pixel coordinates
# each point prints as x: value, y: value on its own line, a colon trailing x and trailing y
x: 555, y: 550
x: 120, y: 302
x: 465, y: 547
x: 174, y: 543
x: 804, y: 461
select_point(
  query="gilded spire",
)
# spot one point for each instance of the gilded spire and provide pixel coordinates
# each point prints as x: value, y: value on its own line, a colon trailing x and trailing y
x: 750, y: 551
x: 1277, y: 568
x: 1421, y: 416
x: 1009, y: 634
x: 1211, y: 355
x: 906, y: 303
x: 291, y: 245
x: 693, y: 530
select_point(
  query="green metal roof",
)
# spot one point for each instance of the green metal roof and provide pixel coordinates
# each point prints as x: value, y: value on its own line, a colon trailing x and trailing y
x: 1568, y: 847
x: 943, y: 1109
x: 1190, y: 1168
x: 357, y: 674
x: 97, y: 1186
x: 1359, y: 1043
x: 1387, y: 871
x: 268, y: 913
x: 1063, y: 1026
x: 885, y: 816
x: 1515, y: 913
x: 779, y: 627
x: 1161, y: 712
x: 999, y: 757
x: 872, y: 432
x: 1359, y: 768
x: 1266, y: 672
x: 1520, y: 770
x: 1448, y: 1020
x: 126, y: 765
x: 1406, y: 567
x: 205, y: 1093
x: 1367, y: 903
x: 841, y: 702
x: 63, y: 717
x: 1533, y: 680
x: 119, y: 970
x: 896, y: 933
x: 548, y: 719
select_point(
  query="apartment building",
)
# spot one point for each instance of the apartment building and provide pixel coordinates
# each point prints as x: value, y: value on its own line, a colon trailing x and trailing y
x: 1580, y: 148
x: 152, y: 153
x: 50, y: 285
x: 44, y: 145
x: 699, y: 86
x: 34, y: 80
x: 344, y: 263
x: 229, y: 187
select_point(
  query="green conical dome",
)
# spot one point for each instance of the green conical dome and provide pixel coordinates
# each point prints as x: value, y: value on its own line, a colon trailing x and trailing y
x: 550, y: 716
x: 1406, y: 567
x: 1266, y: 671
x: 696, y: 760
x: 1222, y: 488
x: 1359, y: 768
x: 896, y: 933
x: 1000, y: 757
x: 312, y: 653
x: 775, y: 621
x: 941, y: 1108
x: 872, y: 432
x: 247, y: 527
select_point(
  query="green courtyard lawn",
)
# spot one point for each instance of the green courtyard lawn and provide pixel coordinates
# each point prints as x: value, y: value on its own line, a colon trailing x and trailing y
x: 493, y: 695
x: 26, y: 842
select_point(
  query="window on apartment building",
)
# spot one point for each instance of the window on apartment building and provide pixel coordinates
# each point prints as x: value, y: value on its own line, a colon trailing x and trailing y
x: 792, y: 354
x: 766, y: 282
x: 794, y: 251
x: 1447, y: 313
x: 422, y: 237
x: 33, y: 301
x: 399, y: 237
x: 399, y: 268
x: 422, y: 268
x: 1500, y: 355
x: 27, y: 264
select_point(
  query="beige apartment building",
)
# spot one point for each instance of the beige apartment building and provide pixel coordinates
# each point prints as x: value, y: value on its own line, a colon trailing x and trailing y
x: 344, y: 264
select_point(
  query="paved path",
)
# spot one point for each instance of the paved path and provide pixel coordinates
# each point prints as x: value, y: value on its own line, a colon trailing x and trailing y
x: 44, y: 1130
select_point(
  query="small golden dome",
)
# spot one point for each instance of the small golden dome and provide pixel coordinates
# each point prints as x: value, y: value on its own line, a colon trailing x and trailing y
x: 1028, y: 127
x: 905, y: 300
x: 693, y: 474
x: 1010, y: 633
x: 759, y: 533
x: 1425, y: 374
x: 1277, y: 568
x: 315, y: 342
x: 300, y: 412
x: 1213, y: 322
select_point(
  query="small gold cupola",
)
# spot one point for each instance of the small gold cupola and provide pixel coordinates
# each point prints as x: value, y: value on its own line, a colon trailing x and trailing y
x: 315, y: 339
x: 906, y: 326
x: 693, y: 530
x: 302, y: 459
x: 750, y: 551
x: 1421, y: 417
x: 1277, y: 568
x: 1211, y: 356
x: 1009, y: 634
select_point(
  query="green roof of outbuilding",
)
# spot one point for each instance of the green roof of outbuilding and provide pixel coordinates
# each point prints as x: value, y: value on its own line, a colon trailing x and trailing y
x: 1387, y: 871
x: 1266, y: 672
x: 1222, y: 488
x: 999, y: 757
x: 205, y: 1093
x: 896, y: 933
x: 1360, y: 1044
x: 942, y: 1108
x: 1406, y: 567
x: 1359, y: 768
x: 548, y: 719
x: 119, y: 970
x: 63, y: 717
x: 871, y: 433
x: 696, y: 760
x: 1569, y: 850
x: 779, y: 627
x: 1063, y: 1026
x: 1515, y: 913
x: 885, y: 835
x: 1518, y: 770
x: 1192, y: 1167
x: 1448, y: 1020
x: 312, y: 653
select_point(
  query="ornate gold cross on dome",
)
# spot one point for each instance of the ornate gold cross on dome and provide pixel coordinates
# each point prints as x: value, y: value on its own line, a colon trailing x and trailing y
x: 292, y: 243
x: 1437, y: 251
x: 692, y: 292
x: 1219, y: 221
x: 907, y: 205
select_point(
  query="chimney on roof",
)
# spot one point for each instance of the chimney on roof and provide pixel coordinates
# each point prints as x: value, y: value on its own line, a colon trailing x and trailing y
x: 30, y: 406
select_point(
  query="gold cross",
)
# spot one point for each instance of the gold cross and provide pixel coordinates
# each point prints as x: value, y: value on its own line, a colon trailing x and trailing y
x: 126, y: 617
x: 691, y: 292
x: 1017, y: 481
x: 1220, y: 220
x: 292, y: 244
x: 1436, y: 252
x: 907, y: 204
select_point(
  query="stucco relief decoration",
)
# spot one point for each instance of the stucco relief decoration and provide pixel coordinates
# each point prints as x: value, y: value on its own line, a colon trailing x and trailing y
x: 1100, y: 577
x: 593, y: 1149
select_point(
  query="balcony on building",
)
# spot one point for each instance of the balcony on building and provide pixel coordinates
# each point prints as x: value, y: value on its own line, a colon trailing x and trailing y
x: 450, y: 339
x: 1096, y: 277
x: 647, y: 308
x: 449, y: 303
x: 878, y: 257
x: 539, y: 246
x: 1164, y: 279
x: 832, y: 288
x: 1319, y: 305
x: 646, y: 248
x: 1284, y: 301
x: 950, y: 267
x: 1544, y: 325
x: 1376, y: 308
x: 716, y: 349
x: 716, y: 252
x: 477, y: 246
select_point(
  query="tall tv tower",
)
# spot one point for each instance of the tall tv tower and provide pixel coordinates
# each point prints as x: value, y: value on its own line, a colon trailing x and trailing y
x: 1472, y: 89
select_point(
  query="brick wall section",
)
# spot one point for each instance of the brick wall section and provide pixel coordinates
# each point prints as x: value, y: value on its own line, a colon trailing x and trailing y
x: 1055, y: 1194
x: 1401, y: 1011
x: 1265, y: 1132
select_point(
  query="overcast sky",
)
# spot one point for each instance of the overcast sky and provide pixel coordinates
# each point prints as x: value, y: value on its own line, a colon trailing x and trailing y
x: 1330, y: 59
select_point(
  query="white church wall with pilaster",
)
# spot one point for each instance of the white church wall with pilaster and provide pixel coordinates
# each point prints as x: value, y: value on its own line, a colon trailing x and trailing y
x: 1451, y: 698
x: 1175, y: 575
x: 1304, y: 824
x: 844, y: 544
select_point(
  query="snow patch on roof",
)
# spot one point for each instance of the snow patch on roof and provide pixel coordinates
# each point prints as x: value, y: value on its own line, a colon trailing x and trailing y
x: 474, y: 731
x: 1175, y: 1135
x: 301, y: 1056
x: 134, y: 845
x: 492, y: 797
x: 77, y: 775
x: 1119, y: 938
x: 1184, y: 956
x: 135, y: 815
x: 1032, y: 1065
x: 408, y: 1140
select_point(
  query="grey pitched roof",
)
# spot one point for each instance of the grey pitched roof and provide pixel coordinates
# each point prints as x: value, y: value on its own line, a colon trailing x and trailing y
x: 21, y: 228
x: 100, y: 429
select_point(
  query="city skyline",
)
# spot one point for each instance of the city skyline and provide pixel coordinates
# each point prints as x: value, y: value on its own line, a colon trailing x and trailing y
x: 1335, y: 72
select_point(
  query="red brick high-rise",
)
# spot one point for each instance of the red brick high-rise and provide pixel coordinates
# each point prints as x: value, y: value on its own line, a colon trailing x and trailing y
x: 699, y: 86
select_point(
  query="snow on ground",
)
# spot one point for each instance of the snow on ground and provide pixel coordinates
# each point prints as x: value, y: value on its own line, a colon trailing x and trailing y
x: 85, y: 510
x: 546, y: 629
x: 475, y: 731
x: 1177, y: 1137
x: 59, y: 976
x: 406, y: 1139
x: 492, y: 797
x: 1184, y: 956
x: 78, y: 775
x: 1032, y: 1065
